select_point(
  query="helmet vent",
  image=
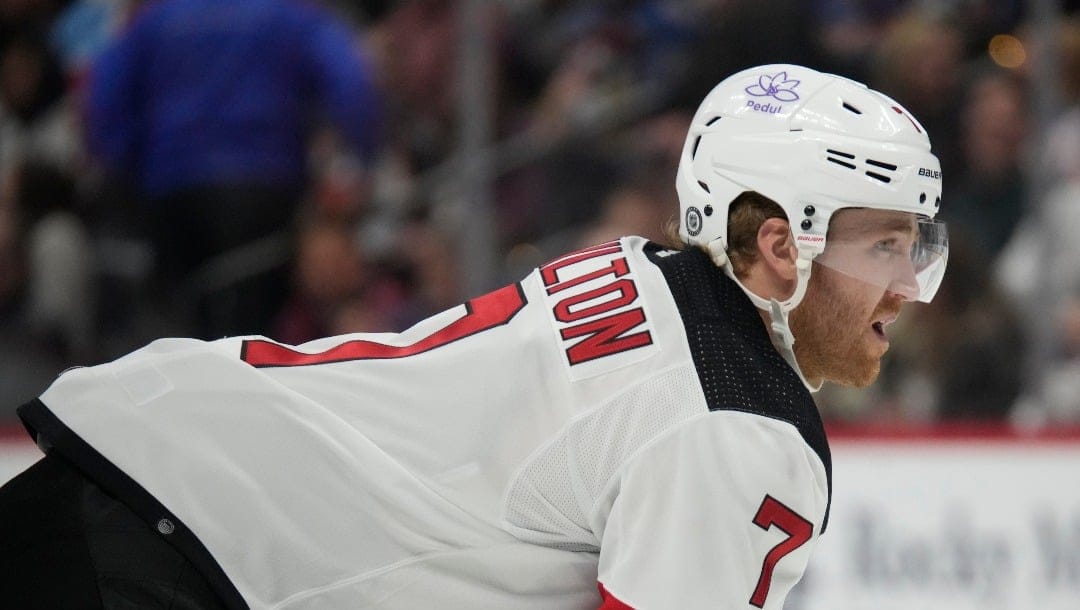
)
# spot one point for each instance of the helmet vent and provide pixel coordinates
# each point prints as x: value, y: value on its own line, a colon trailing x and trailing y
x: 693, y: 153
x: 704, y: 186
x: 880, y: 176
x: 712, y: 120
x: 845, y: 155
x: 881, y: 164
x: 850, y: 108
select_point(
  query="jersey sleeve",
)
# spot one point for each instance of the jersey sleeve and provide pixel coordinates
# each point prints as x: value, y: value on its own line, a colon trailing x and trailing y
x: 720, y: 512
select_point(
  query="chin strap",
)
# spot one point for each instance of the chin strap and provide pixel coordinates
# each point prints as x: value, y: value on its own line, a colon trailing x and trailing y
x: 779, y: 328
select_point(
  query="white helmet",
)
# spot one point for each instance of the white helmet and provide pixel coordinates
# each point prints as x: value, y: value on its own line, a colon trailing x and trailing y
x: 813, y: 143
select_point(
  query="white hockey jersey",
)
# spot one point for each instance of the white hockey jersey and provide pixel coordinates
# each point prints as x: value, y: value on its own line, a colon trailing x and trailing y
x: 614, y: 431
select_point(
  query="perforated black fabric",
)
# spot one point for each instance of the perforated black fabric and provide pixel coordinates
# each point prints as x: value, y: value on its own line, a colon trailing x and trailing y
x: 736, y: 362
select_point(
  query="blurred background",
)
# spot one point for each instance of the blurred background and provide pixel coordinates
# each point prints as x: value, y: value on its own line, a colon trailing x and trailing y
x: 300, y: 169
x: 198, y: 168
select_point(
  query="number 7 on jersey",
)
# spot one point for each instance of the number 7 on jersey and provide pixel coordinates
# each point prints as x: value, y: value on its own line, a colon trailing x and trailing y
x: 799, y: 530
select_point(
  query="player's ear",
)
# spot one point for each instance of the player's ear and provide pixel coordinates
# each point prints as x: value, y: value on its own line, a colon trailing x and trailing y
x: 776, y: 248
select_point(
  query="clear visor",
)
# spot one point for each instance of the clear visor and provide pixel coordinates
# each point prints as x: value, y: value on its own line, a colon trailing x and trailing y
x: 897, y: 252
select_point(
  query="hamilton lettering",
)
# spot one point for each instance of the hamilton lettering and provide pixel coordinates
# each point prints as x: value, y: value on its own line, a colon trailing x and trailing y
x: 627, y: 294
x: 617, y: 268
x: 550, y: 271
x: 598, y: 309
x: 606, y: 336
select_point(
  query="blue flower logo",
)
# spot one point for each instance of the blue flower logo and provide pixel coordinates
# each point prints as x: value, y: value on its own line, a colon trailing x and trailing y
x: 777, y: 87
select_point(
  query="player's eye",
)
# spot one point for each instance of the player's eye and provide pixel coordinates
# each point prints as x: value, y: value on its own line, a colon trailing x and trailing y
x: 888, y: 247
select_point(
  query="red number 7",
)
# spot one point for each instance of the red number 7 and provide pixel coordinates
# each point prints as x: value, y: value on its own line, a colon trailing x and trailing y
x: 799, y: 530
x: 482, y: 313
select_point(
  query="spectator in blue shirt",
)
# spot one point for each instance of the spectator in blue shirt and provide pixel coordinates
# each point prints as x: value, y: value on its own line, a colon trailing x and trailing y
x: 206, y: 107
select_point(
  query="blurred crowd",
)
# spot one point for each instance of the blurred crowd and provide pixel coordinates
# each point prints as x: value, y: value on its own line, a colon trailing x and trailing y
x: 291, y: 168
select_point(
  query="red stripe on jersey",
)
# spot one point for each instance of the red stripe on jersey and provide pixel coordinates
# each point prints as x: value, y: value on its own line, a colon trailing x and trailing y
x: 610, y: 601
x: 482, y: 313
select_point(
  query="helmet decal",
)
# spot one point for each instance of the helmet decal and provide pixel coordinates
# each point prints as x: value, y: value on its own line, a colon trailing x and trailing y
x: 693, y: 221
x: 776, y: 86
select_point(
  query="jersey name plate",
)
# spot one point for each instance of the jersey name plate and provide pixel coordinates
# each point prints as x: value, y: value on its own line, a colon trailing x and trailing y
x: 596, y: 307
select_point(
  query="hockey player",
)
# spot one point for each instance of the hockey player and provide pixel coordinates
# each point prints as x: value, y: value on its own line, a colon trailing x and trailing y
x: 627, y: 427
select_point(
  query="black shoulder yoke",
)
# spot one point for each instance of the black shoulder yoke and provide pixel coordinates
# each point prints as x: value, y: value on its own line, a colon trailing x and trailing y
x: 736, y: 362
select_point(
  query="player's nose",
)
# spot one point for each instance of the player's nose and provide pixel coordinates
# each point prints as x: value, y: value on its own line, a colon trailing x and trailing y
x: 903, y: 282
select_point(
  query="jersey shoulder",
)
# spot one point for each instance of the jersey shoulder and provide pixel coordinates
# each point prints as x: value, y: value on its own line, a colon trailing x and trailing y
x: 738, y: 367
